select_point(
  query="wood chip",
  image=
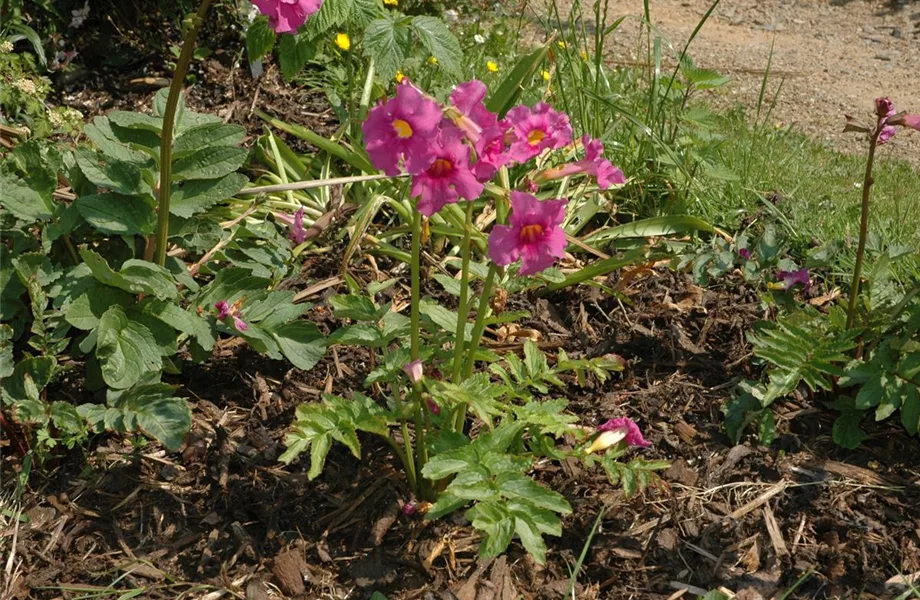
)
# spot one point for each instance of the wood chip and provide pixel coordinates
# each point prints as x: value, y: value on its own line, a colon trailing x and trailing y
x: 759, y: 500
x: 776, y: 536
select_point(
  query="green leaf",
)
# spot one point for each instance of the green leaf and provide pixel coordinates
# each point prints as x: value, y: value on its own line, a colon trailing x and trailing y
x: 157, y: 413
x: 301, y: 342
x: 438, y: 40
x: 847, y: 432
x: 118, y: 214
x: 509, y: 92
x: 515, y: 485
x: 353, y: 306
x: 531, y: 538
x: 872, y: 392
x: 260, y: 38
x: 651, y: 227
x: 6, y: 351
x: 209, y: 163
x: 910, y: 409
x: 135, y: 277
x: 126, y: 350
x: 35, y: 372
x: 192, y: 197
x: 767, y: 428
x: 497, y: 526
x: 66, y: 418
x: 205, y: 136
x: 133, y: 120
x: 446, y: 504
x: 186, y: 321
x: 22, y: 201
x: 293, y: 53
x: 361, y: 334
x: 387, y: 41
x: 100, y: 132
x: 330, y: 14
x: 354, y: 158
x: 85, y: 311
x: 122, y: 177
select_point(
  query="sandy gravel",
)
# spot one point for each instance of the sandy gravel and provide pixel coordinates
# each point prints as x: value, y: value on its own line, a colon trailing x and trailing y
x: 836, y: 56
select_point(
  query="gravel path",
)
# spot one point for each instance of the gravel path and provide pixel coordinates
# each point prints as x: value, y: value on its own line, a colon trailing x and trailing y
x: 836, y: 57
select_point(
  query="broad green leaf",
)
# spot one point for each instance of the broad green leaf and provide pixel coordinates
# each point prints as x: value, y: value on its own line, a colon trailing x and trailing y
x: 231, y: 284
x: 293, y: 53
x: 209, y: 163
x: 122, y: 177
x: 353, y: 306
x: 872, y: 392
x: 135, y: 277
x: 651, y: 227
x: 387, y: 41
x: 847, y: 432
x: 438, y: 40
x: 158, y: 414
x: 515, y: 485
x: 260, y: 38
x: 66, y: 418
x: 910, y: 409
x: 192, y: 197
x: 302, y: 343
x: 206, y: 135
x: 133, y: 120
x: 85, y: 311
x: 183, y: 320
x: 35, y: 372
x: 109, y: 143
x: 446, y: 504
x: 118, y: 214
x: 330, y: 14
x: 530, y: 537
x: 444, y: 318
x: 361, y: 334
x: 21, y: 200
x: 126, y: 350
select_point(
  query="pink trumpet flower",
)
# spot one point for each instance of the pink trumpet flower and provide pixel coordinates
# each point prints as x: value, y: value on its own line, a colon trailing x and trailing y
x: 534, y: 234
x: 616, y: 430
x: 286, y: 16
x: 448, y: 178
x: 404, y: 126
x: 537, y: 129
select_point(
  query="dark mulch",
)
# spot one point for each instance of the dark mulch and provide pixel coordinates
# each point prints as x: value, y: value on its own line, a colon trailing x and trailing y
x: 224, y: 513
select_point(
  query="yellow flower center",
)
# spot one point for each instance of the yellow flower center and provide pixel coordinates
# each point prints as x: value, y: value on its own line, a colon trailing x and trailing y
x: 403, y: 129
x: 441, y: 168
x: 531, y: 233
x: 535, y: 137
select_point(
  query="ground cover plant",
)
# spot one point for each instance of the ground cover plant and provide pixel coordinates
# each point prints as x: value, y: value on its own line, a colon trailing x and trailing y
x: 431, y: 340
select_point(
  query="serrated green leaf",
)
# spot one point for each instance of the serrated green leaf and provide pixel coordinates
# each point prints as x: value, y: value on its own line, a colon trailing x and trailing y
x: 158, y: 414
x: 35, y: 372
x: 847, y: 432
x: 134, y: 120
x: 353, y: 306
x: 530, y: 537
x: 517, y: 486
x: 66, y: 418
x: 209, y: 163
x: 205, y: 136
x: 387, y: 41
x: 446, y: 504
x: 438, y: 40
x: 293, y: 53
x: 84, y: 311
x: 260, y: 38
x: 118, y: 214
x: 185, y: 321
x: 135, y: 277
x: 111, y: 145
x: 6, y: 351
x: 122, y: 177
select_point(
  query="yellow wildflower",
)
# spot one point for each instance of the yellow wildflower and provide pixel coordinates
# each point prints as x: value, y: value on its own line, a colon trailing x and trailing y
x: 391, y: 2
x: 492, y: 66
x: 432, y: 60
x: 399, y: 76
x: 343, y: 41
x: 584, y: 55
x: 545, y: 75
x: 561, y: 44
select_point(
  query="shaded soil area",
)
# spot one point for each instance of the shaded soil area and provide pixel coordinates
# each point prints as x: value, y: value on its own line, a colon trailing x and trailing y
x: 222, y: 518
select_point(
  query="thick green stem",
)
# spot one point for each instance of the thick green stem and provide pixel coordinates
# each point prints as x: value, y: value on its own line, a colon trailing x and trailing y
x: 464, y: 310
x: 414, y: 349
x: 478, y: 327
x: 863, y: 231
x: 169, y: 117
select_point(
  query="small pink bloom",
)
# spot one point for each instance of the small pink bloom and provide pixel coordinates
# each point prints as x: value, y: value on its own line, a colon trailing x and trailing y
x: 448, y: 178
x: 745, y: 254
x: 792, y: 278
x: 403, y: 126
x: 297, y: 234
x: 633, y: 433
x: 414, y: 370
x: 223, y: 309
x: 286, y: 16
x: 534, y: 234
x: 884, y: 107
x: 593, y: 164
x: 239, y: 323
x: 409, y: 508
x: 886, y: 134
x: 537, y: 129
x: 433, y: 406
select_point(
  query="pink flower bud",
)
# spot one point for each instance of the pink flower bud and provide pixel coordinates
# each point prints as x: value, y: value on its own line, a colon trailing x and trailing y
x: 414, y: 371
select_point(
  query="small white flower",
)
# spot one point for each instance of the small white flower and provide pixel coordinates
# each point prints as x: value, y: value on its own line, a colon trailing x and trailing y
x: 6, y: 46
x: 26, y: 86
x: 79, y: 15
x: 479, y: 39
x: 451, y: 16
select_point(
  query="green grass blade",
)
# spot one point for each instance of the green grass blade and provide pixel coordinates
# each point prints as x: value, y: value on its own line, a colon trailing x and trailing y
x: 651, y: 227
x: 510, y: 90
x: 352, y: 157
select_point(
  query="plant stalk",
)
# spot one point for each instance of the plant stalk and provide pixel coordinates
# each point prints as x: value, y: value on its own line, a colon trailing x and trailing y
x: 863, y: 230
x: 464, y: 309
x: 166, y: 139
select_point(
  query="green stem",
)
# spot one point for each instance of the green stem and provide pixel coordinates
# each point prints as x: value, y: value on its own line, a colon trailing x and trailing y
x: 406, y: 460
x: 478, y: 327
x: 863, y: 230
x: 414, y: 349
x: 169, y: 117
x: 464, y: 310
x: 407, y: 457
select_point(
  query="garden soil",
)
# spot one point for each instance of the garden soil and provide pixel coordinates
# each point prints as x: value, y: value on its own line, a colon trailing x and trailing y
x: 222, y: 518
x: 828, y: 58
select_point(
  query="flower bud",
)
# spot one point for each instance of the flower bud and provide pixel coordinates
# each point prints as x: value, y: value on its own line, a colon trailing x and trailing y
x: 414, y: 371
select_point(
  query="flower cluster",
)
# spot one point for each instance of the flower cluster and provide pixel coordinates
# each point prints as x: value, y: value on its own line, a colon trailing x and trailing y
x: 286, y: 16
x: 451, y: 152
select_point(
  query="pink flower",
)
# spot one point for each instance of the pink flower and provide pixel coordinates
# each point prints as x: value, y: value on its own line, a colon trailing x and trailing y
x: 286, y: 16
x: 593, y: 164
x: 537, y: 129
x: 409, y: 508
x: 297, y: 234
x: 616, y: 430
x: 433, y: 406
x: 448, y: 178
x: 468, y: 98
x: 886, y: 134
x: 224, y: 310
x: 745, y: 254
x: 792, y: 278
x: 491, y: 153
x: 884, y: 107
x: 404, y: 126
x: 534, y: 235
x: 413, y: 370
x: 906, y: 120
